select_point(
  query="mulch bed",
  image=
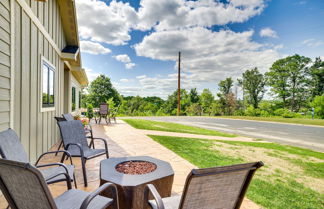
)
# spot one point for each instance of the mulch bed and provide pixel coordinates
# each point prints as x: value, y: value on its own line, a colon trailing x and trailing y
x: 136, y: 167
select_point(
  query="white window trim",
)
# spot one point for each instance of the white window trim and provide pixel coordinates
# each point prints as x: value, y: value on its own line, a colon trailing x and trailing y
x: 46, y: 109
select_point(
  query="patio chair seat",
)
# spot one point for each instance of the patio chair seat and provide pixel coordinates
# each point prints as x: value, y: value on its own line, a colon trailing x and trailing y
x: 72, y: 199
x: 53, y: 171
x: 168, y: 202
x: 88, y: 153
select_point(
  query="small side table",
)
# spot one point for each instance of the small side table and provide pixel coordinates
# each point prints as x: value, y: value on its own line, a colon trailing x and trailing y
x: 131, y: 187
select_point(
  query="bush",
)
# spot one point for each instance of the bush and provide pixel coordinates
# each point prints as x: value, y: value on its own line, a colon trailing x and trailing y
x: 265, y: 113
x: 194, y: 109
x: 251, y: 111
x: 279, y: 112
x: 318, y: 105
x: 239, y: 112
x: 89, y: 113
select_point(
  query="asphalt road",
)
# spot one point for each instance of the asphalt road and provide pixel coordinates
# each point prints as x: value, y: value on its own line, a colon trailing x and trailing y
x: 298, y: 135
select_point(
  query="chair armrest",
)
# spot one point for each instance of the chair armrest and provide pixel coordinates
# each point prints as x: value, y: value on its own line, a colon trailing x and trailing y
x: 103, y: 140
x: 95, y: 193
x: 66, y: 174
x: 150, y: 188
x: 78, y: 145
x: 53, y: 152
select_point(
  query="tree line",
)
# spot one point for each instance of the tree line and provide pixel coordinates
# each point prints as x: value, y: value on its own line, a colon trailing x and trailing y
x: 296, y: 84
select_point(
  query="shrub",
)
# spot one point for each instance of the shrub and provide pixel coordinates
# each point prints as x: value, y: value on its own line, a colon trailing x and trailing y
x: 288, y: 114
x: 318, y: 105
x: 279, y: 112
x: 90, y: 111
x: 265, y: 113
x: 251, y: 111
x: 194, y: 109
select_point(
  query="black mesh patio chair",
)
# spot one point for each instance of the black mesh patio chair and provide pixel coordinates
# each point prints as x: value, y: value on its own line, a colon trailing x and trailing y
x: 24, y: 188
x: 88, y: 130
x: 104, y: 112
x: 12, y: 149
x: 61, y: 142
x: 75, y: 142
x: 209, y: 188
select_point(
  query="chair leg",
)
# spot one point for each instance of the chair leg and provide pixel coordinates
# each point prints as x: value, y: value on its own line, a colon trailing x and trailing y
x: 74, y: 179
x: 61, y: 144
x: 63, y: 156
x: 83, y: 161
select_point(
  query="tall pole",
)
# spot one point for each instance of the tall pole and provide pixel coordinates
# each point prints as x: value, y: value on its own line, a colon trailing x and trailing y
x: 179, y: 99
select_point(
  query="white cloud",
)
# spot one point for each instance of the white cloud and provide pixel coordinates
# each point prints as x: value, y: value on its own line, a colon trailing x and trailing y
x: 268, y: 32
x: 111, y: 23
x: 313, y: 42
x: 130, y: 65
x: 105, y: 23
x: 208, y: 56
x: 173, y: 14
x: 91, y: 75
x: 122, y: 58
x: 93, y: 48
x: 124, y: 80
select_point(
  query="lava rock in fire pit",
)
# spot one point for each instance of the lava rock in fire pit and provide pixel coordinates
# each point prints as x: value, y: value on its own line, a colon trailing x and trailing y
x: 136, y: 167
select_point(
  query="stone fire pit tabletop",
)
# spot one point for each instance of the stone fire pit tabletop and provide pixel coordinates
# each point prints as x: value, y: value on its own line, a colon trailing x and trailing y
x: 109, y: 173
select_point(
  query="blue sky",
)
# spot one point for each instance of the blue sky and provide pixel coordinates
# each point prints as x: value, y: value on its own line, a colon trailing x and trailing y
x: 135, y: 43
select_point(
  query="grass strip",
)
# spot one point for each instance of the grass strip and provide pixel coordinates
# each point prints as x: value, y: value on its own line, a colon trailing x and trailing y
x: 301, y: 121
x: 173, y: 127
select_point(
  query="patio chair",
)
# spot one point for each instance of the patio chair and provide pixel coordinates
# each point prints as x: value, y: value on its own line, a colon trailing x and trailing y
x: 209, y: 188
x: 24, y: 188
x: 61, y: 143
x: 103, y: 112
x: 88, y: 130
x: 12, y: 149
x: 75, y: 142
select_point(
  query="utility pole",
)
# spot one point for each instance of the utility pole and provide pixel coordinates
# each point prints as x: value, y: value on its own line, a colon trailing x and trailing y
x: 179, y: 99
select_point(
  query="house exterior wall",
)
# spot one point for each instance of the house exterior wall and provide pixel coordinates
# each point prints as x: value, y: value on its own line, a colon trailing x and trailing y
x: 30, y: 32
x: 5, y: 64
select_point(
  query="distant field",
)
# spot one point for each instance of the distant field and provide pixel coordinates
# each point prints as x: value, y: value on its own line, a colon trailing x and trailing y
x: 302, y: 121
x: 173, y: 127
x: 292, y: 178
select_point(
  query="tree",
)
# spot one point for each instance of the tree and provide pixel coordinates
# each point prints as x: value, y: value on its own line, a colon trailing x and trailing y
x: 226, y: 97
x: 225, y: 86
x: 170, y: 105
x: 318, y: 105
x: 206, y: 100
x: 253, y: 84
x: 193, y: 95
x: 289, y: 79
x: 317, y: 74
x: 101, y: 90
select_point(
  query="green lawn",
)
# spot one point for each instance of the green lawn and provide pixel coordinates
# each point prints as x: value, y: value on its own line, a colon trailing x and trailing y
x: 292, y: 177
x: 302, y: 121
x: 173, y: 127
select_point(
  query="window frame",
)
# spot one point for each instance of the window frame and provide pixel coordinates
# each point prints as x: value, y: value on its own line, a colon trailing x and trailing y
x: 52, y: 68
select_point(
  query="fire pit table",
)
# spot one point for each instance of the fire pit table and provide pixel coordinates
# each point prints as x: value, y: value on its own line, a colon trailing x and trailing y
x: 131, y: 174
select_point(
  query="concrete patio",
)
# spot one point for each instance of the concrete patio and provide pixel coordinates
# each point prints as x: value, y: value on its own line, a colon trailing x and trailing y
x: 124, y: 140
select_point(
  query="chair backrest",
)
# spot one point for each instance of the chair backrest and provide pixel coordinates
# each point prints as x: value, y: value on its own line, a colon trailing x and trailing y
x: 24, y: 186
x: 72, y: 132
x: 11, y: 147
x: 58, y: 119
x: 68, y: 116
x: 103, y: 109
x: 219, y: 187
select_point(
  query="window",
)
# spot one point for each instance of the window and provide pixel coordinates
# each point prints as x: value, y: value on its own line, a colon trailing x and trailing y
x: 80, y: 97
x: 48, y: 99
x: 73, y: 98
